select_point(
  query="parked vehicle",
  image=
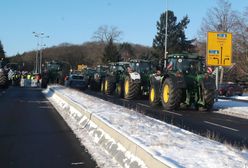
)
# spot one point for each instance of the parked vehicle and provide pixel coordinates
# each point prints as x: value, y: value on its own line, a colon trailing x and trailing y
x: 88, y: 74
x: 98, y: 76
x: 185, y: 82
x: 114, y: 78
x: 3, y: 75
x: 76, y: 81
x: 54, y: 72
x: 230, y: 89
x: 145, y: 69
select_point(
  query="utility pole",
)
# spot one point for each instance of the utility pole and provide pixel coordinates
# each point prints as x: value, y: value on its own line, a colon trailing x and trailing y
x: 166, y: 34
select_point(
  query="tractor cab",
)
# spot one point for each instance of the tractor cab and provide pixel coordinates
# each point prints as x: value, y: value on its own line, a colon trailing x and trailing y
x: 141, y: 66
x: 186, y: 64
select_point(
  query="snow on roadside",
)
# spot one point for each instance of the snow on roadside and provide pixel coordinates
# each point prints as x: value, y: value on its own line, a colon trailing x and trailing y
x: 166, y: 142
x: 100, y: 156
x: 233, y: 108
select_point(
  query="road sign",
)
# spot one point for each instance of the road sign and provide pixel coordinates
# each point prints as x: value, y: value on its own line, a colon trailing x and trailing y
x: 219, y: 49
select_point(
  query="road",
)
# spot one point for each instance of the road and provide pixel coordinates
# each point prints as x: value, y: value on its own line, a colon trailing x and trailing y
x: 219, y: 127
x: 32, y: 134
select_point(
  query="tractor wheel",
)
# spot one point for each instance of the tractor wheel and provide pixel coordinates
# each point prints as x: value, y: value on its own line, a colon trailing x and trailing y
x: 3, y: 80
x: 208, y: 96
x: 154, y: 97
x: 171, y: 95
x: 109, y: 86
x: 131, y: 89
x: 92, y: 85
x: 102, y: 86
x: 119, y: 90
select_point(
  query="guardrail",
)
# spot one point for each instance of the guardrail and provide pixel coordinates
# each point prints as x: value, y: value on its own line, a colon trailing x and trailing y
x: 112, y: 147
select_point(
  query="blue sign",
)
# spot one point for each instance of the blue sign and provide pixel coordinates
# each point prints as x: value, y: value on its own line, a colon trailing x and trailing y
x: 222, y: 35
x: 213, y: 52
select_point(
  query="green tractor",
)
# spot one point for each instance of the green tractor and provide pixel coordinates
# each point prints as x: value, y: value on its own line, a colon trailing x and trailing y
x: 113, y: 82
x: 97, y: 77
x: 121, y: 80
x: 145, y: 69
x: 185, y: 82
x: 55, y: 72
x: 3, y: 75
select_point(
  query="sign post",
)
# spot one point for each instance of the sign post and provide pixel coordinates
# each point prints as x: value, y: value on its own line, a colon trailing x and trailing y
x: 219, y: 51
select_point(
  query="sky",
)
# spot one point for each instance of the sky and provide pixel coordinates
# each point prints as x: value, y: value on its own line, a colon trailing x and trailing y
x: 75, y: 21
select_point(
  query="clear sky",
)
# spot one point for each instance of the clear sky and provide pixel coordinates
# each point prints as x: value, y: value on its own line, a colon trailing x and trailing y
x: 75, y: 21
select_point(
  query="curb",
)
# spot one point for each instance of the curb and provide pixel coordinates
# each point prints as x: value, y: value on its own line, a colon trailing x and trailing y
x: 112, y: 147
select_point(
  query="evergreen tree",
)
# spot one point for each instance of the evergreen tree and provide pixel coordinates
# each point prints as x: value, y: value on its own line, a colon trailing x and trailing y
x: 2, y: 52
x: 176, y: 38
x: 111, y: 53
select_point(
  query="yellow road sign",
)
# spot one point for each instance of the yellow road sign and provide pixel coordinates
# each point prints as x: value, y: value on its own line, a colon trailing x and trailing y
x: 219, y: 49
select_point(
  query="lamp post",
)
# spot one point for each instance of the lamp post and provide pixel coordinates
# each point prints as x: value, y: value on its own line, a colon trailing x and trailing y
x: 38, y: 62
x: 166, y: 34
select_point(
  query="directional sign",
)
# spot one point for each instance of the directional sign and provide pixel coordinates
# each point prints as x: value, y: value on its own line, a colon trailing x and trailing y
x: 219, y: 49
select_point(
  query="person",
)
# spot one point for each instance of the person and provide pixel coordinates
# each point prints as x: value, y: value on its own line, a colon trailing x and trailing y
x: 129, y: 69
x: 158, y: 71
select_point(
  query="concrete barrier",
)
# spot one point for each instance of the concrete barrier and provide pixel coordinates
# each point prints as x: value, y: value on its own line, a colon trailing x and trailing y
x: 101, y: 128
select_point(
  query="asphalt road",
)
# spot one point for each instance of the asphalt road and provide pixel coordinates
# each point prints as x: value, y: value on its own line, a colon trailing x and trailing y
x: 219, y: 127
x: 33, y: 134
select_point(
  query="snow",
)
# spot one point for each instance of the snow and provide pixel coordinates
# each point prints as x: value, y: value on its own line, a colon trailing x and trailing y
x: 165, y: 142
x: 233, y: 108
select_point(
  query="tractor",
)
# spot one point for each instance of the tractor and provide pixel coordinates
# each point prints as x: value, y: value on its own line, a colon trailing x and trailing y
x: 184, y: 83
x: 121, y: 80
x: 97, y: 77
x: 145, y: 69
x: 3, y: 75
x: 54, y: 72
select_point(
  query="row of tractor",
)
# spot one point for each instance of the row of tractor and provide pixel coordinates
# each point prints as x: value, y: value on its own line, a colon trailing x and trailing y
x: 183, y: 82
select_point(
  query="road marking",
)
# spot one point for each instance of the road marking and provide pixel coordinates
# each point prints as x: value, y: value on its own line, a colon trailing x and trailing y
x: 172, y: 113
x: 143, y: 105
x: 77, y: 163
x: 218, y: 125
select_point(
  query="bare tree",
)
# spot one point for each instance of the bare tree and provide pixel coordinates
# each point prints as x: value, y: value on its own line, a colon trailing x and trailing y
x: 105, y: 33
x: 221, y: 19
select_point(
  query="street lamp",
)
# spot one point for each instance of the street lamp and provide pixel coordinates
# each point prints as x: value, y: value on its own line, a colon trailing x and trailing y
x: 40, y: 46
x: 166, y: 34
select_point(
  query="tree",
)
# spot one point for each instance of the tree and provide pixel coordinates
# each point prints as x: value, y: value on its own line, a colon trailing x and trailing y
x: 111, y: 53
x: 176, y: 38
x: 220, y: 18
x: 223, y: 19
x: 126, y: 51
x: 104, y: 34
x: 2, y: 52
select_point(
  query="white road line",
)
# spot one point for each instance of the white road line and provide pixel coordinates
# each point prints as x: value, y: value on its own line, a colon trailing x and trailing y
x: 172, y: 113
x: 143, y: 105
x: 77, y: 163
x: 218, y: 125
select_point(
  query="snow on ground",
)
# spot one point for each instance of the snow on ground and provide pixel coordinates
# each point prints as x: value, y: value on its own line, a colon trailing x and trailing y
x: 164, y: 141
x: 102, y: 158
x: 233, y: 108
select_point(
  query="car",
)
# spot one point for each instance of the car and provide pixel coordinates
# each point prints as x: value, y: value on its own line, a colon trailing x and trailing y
x: 76, y: 81
x: 230, y: 89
